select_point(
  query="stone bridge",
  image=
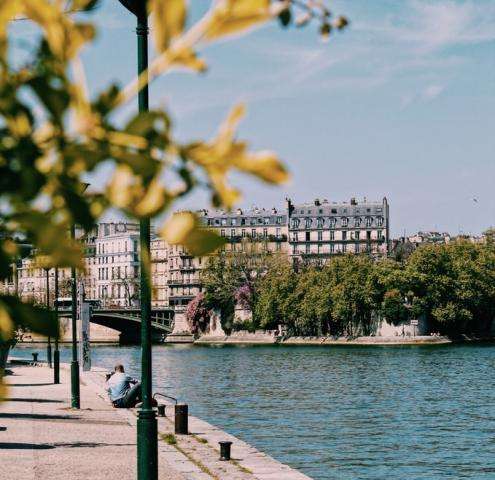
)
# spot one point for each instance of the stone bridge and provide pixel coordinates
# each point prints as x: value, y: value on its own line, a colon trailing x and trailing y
x: 127, y: 321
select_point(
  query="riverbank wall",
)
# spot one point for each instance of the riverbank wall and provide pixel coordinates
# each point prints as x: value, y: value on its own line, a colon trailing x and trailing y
x: 265, y: 338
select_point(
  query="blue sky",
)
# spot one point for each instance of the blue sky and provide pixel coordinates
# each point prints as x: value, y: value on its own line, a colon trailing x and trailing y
x: 399, y: 105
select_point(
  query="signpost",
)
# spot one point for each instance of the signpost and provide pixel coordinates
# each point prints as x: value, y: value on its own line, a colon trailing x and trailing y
x: 83, y: 315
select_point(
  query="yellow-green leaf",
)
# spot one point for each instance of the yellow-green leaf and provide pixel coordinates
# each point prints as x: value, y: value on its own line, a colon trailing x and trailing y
x: 185, y: 57
x: 264, y: 165
x: 183, y: 228
x: 6, y: 324
x: 169, y: 19
x: 231, y: 17
x: 155, y: 200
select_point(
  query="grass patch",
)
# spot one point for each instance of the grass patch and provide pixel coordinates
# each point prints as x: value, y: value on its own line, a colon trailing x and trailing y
x: 199, y: 439
x: 169, y: 438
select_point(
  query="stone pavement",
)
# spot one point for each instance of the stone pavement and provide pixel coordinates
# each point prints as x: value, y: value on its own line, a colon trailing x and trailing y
x: 41, y: 438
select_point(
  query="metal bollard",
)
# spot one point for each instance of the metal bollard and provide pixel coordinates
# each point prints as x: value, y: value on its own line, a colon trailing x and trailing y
x: 181, y: 419
x: 161, y: 410
x: 225, y: 450
x: 35, y: 356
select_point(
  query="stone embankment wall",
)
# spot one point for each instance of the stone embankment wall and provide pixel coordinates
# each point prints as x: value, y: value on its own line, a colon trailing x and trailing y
x: 98, y: 334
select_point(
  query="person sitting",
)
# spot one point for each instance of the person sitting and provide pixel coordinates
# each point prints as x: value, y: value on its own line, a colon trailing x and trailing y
x: 123, y: 390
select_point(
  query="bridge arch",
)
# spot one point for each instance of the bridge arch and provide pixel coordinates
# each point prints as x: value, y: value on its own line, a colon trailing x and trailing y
x: 128, y: 322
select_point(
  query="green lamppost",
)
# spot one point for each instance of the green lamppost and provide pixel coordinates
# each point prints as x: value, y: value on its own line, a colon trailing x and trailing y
x: 147, y: 431
x: 74, y: 364
x: 56, y: 353
x: 49, y: 343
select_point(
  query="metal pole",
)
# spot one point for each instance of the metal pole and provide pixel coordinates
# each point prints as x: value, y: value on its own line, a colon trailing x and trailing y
x: 146, y: 424
x: 56, y: 353
x: 74, y: 366
x: 49, y: 344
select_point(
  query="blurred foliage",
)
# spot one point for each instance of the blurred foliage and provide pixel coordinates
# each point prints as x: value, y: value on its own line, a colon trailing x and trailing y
x: 53, y: 133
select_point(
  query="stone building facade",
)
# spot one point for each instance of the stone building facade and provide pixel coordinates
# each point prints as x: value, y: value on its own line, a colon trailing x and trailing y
x: 159, y: 272
x: 114, y: 267
x: 321, y: 229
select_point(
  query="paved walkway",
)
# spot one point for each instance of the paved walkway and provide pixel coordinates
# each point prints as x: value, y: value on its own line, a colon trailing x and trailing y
x: 41, y: 438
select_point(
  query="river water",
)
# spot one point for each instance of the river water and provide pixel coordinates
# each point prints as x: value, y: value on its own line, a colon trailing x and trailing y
x: 415, y: 412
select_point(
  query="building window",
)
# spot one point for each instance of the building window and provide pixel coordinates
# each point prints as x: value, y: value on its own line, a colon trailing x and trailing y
x: 320, y: 236
x: 267, y: 220
x: 332, y: 222
x: 296, y: 237
x: 379, y: 221
x: 380, y: 234
x: 308, y: 223
x: 233, y: 221
x: 265, y: 232
x: 344, y: 235
x: 332, y: 235
x: 243, y: 221
x: 344, y: 248
x: 279, y: 220
x: 243, y: 232
x: 278, y: 232
x: 356, y: 248
x: 356, y: 234
x: 222, y: 232
x: 308, y: 248
x: 369, y: 221
x: 368, y: 235
x: 223, y: 221
x: 308, y: 236
x: 294, y: 249
x: 357, y: 222
x: 295, y: 223
x: 319, y: 223
x: 332, y: 248
x: 232, y: 232
x: 253, y: 232
x: 345, y: 221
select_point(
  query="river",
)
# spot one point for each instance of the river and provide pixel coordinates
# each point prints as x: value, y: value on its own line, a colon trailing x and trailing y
x: 414, y: 412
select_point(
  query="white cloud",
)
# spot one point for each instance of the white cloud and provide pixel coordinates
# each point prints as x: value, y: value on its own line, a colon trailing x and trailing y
x: 432, y: 91
x: 430, y: 26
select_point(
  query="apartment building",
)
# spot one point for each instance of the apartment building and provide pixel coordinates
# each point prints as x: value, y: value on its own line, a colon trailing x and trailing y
x: 159, y: 272
x: 114, y: 267
x: 320, y: 229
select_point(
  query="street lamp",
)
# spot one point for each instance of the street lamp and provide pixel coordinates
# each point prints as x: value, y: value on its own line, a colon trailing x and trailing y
x: 56, y: 353
x: 147, y: 430
x: 49, y: 344
x: 74, y: 365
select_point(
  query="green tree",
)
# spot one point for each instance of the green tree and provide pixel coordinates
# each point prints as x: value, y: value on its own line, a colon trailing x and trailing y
x: 453, y: 286
x: 227, y: 272
x: 275, y: 302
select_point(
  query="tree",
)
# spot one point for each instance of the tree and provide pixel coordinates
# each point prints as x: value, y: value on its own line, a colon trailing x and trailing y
x: 231, y: 276
x: 275, y: 302
x: 454, y: 287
